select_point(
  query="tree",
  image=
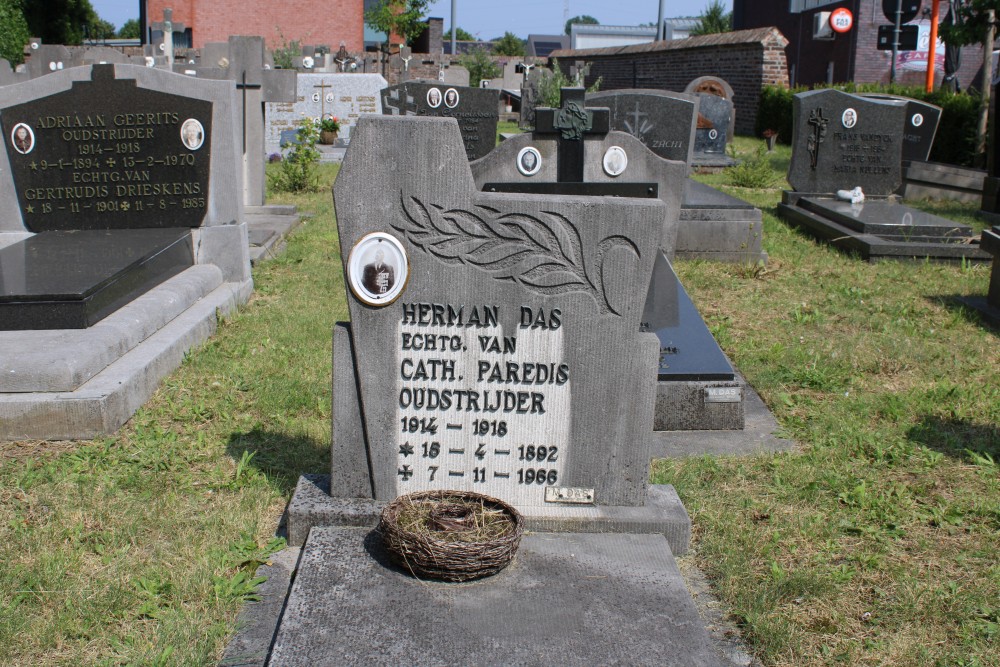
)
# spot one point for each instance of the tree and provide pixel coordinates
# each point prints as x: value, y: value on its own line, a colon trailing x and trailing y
x: 584, y: 19
x: 60, y: 21
x: 13, y: 31
x: 460, y: 35
x: 130, y: 29
x: 508, y: 45
x: 404, y: 18
x: 714, y: 19
x: 99, y: 29
x: 480, y: 66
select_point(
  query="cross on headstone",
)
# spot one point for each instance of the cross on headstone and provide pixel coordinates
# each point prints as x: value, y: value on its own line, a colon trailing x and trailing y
x: 402, y: 61
x: 638, y: 126
x: 818, y: 133
x: 573, y: 120
x: 167, y: 27
x: 342, y: 57
x: 323, y: 85
x: 243, y: 87
x: 579, y: 71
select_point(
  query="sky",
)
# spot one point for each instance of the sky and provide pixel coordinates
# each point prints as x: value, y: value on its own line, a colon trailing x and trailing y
x: 487, y: 19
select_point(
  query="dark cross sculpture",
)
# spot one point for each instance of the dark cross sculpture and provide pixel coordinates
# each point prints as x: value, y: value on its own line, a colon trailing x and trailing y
x: 817, y: 135
x: 243, y: 86
x: 573, y: 120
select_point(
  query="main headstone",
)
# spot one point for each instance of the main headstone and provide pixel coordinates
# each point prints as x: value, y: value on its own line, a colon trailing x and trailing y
x: 494, y: 346
x: 346, y: 96
x: 475, y: 109
x: 121, y: 236
x: 843, y: 142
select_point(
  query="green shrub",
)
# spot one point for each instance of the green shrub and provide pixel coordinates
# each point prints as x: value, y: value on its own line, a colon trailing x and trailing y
x: 480, y: 66
x: 298, y: 171
x: 753, y: 172
x: 550, y: 87
x: 955, y: 142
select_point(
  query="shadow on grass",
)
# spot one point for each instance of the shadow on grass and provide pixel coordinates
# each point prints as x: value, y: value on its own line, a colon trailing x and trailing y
x: 957, y: 438
x: 959, y: 303
x: 280, y: 456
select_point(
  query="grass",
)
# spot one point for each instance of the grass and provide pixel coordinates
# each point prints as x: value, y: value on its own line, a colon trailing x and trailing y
x: 873, y: 543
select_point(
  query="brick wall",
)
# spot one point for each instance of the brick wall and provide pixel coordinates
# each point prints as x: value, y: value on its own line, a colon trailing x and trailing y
x: 309, y: 21
x: 747, y: 59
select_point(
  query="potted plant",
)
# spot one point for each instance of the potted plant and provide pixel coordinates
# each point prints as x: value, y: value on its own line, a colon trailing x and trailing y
x: 328, y: 129
x: 771, y: 137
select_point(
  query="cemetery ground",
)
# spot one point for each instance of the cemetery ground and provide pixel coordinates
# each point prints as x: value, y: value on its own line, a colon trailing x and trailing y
x: 873, y: 542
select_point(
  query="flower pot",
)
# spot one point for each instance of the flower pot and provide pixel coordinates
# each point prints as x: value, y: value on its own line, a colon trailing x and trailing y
x: 327, y: 137
x: 771, y: 141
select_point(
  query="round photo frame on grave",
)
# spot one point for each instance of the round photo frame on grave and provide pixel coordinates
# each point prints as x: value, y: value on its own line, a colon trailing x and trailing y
x: 849, y: 118
x: 917, y: 119
x: 615, y: 161
x: 192, y: 134
x: 529, y: 160
x: 451, y: 98
x: 434, y: 98
x: 22, y: 138
x: 378, y: 269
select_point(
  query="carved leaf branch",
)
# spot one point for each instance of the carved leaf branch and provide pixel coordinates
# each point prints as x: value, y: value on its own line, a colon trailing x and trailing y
x: 542, y: 253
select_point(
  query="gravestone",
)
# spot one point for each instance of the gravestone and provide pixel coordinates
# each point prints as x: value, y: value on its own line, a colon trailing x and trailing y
x: 662, y: 121
x: 121, y: 237
x: 494, y: 346
x: 713, y: 85
x: 475, y: 109
x: 531, y: 95
x: 846, y: 141
x: 921, y: 126
x: 346, y: 96
x: 712, y: 132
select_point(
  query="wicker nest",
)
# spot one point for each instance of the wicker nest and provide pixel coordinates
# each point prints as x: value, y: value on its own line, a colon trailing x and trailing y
x: 451, y: 535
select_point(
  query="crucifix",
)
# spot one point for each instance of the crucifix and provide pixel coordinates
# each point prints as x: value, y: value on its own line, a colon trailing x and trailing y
x: 815, y: 138
x: 243, y: 87
x: 402, y: 61
x: 323, y: 85
x: 342, y: 57
x: 573, y: 120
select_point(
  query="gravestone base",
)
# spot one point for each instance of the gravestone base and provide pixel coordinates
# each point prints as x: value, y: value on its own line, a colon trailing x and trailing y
x: 569, y: 598
x: 268, y: 226
x: 804, y: 211
x: 932, y: 180
x: 989, y: 306
x: 74, y: 384
x: 312, y: 506
x: 699, y: 406
x: 711, y: 163
x: 718, y: 227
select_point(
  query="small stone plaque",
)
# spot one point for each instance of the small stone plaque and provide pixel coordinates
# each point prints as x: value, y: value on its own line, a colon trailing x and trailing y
x: 109, y: 155
x: 723, y: 394
x: 569, y: 496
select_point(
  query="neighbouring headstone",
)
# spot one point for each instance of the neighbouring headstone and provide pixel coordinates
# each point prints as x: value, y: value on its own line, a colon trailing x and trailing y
x: 844, y: 143
x: 531, y: 95
x: 475, y: 109
x: 346, y: 96
x: 922, y: 121
x: 713, y: 85
x: 120, y: 218
x: 712, y: 131
x: 664, y: 122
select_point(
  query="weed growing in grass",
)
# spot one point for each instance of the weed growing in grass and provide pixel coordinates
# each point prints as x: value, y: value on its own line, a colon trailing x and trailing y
x: 754, y: 171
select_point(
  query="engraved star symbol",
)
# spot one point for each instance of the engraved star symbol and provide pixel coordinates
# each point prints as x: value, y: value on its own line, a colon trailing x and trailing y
x: 405, y: 473
x: 30, y: 209
x: 125, y: 206
x: 34, y: 166
x: 406, y: 449
x: 111, y: 162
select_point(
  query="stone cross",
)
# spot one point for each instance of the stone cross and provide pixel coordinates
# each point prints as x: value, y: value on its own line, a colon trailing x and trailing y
x: 342, y: 57
x: 579, y: 71
x: 572, y: 120
x: 323, y: 85
x: 402, y: 61
x: 167, y: 28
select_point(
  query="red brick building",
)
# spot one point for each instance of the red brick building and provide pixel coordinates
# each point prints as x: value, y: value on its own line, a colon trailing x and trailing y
x: 852, y: 56
x: 307, y: 21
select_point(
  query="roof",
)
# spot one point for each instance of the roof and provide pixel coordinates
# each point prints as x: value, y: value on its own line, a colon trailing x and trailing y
x: 760, y: 35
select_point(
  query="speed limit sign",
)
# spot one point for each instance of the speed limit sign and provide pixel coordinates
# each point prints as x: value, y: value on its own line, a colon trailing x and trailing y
x: 841, y: 20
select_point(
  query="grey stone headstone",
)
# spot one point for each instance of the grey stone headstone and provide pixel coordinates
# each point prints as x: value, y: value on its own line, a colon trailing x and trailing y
x: 713, y: 85
x: 712, y: 125
x: 530, y: 96
x: 6, y: 73
x: 557, y: 282
x: 475, y: 109
x: 455, y: 75
x: 842, y: 141
x: 922, y: 121
x: 97, y: 55
x: 346, y: 96
x: 49, y: 58
x: 664, y: 122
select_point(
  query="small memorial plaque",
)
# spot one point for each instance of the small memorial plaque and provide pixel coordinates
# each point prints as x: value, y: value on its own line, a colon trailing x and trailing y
x: 95, y: 156
x: 723, y: 394
x: 569, y: 496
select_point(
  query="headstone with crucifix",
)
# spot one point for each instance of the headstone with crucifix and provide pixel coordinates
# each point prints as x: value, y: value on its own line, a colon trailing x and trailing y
x: 162, y: 35
x: 846, y: 164
x: 401, y: 63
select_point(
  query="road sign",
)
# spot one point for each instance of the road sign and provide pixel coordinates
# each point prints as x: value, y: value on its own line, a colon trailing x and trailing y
x: 910, y: 9
x: 841, y: 20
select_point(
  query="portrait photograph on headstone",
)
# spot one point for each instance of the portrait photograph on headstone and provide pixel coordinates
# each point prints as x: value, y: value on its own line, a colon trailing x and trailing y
x: 401, y: 333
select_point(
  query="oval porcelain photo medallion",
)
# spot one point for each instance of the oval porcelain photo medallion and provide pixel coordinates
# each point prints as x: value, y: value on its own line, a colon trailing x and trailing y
x: 377, y: 269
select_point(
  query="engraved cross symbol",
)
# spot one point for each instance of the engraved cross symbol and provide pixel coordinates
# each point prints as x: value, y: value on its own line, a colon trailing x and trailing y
x: 638, y: 126
x: 406, y: 473
x: 572, y: 120
x: 323, y: 85
x: 817, y: 135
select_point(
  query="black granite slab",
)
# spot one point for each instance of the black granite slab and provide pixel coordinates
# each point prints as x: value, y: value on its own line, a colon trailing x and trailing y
x: 663, y: 121
x: 107, y: 154
x: 697, y: 195
x: 712, y: 133
x: 477, y: 110
x: 687, y: 349
x: 921, y: 126
x: 73, y: 279
x: 889, y: 220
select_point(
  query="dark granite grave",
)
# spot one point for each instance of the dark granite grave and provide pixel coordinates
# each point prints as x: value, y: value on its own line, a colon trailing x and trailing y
x: 109, y: 155
x: 99, y: 271
x: 921, y: 126
x: 890, y: 221
x: 663, y: 121
x: 712, y: 130
x: 475, y: 109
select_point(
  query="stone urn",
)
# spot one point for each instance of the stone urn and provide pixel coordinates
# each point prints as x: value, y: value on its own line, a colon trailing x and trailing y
x: 327, y: 137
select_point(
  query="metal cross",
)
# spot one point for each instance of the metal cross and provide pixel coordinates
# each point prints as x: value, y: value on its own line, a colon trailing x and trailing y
x: 323, y: 85
x: 572, y: 120
x: 242, y: 85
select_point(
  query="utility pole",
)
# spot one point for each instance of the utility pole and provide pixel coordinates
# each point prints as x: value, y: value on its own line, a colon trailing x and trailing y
x: 454, y: 27
x: 895, y: 40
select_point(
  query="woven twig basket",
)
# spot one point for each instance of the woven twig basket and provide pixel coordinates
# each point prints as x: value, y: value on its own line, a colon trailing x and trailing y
x: 451, y: 535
